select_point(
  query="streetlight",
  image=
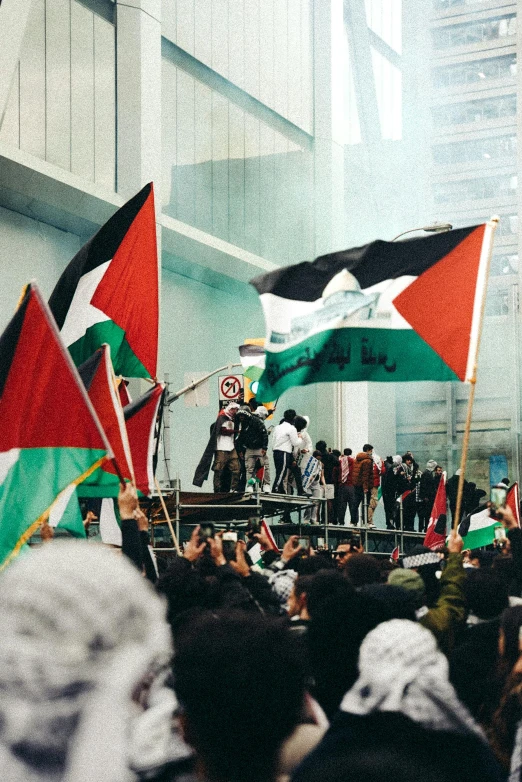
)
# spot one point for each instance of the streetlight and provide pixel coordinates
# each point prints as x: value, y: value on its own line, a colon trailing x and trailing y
x: 434, y: 228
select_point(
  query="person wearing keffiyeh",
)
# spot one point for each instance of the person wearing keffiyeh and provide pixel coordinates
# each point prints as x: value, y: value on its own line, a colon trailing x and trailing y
x: 406, y: 707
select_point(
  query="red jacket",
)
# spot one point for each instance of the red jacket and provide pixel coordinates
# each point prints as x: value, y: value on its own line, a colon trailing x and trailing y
x: 363, y: 471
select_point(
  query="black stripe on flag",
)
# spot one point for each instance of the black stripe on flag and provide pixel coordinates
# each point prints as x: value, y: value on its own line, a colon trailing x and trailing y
x: 130, y: 410
x: 88, y: 369
x: 10, y: 337
x: 100, y: 249
x: 370, y: 264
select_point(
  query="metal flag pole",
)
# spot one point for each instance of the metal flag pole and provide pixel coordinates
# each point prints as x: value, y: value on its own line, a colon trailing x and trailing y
x: 471, y: 370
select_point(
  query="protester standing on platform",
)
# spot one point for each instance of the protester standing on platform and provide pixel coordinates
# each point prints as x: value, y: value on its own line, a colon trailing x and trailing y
x: 346, y: 494
x: 252, y: 440
x: 222, y: 448
x: 378, y: 469
x: 284, y: 440
x: 427, y: 491
x: 330, y: 463
x: 362, y: 480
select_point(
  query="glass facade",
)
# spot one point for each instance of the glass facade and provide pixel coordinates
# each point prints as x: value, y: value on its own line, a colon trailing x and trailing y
x: 473, y: 150
x: 478, y: 188
x: 475, y: 111
x: 477, y: 31
x: 475, y: 71
x: 62, y: 103
x: 231, y: 175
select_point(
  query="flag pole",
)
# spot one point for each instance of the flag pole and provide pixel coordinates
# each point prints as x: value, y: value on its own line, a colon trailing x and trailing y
x: 167, y: 517
x: 480, y: 306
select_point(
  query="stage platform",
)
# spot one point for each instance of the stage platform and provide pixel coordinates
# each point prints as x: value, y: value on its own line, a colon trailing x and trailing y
x: 283, y: 513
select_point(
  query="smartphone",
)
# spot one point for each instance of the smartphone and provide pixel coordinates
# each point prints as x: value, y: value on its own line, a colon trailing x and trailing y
x: 206, y: 531
x: 500, y: 533
x: 229, y: 544
x: 304, y: 543
x: 254, y: 525
x: 497, y: 498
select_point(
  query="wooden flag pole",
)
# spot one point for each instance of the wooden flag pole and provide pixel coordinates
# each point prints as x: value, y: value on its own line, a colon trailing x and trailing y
x: 484, y: 264
x: 167, y: 517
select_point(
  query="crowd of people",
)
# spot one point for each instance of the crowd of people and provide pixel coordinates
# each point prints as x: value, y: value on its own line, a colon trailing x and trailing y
x: 238, y: 662
x: 237, y: 453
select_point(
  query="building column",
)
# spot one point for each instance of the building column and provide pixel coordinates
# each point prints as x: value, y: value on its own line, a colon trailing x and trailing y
x: 329, y: 206
x: 13, y: 21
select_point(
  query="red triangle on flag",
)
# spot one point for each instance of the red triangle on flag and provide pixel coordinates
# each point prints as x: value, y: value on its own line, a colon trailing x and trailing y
x: 440, y: 303
x: 140, y: 417
x: 105, y: 399
x: 128, y: 291
x: 43, y: 403
x: 513, y: 501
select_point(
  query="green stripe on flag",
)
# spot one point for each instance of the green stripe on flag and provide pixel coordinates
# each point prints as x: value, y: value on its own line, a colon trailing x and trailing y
x: 348, y: 354
x: 124, y: 360
x: 30, y: 487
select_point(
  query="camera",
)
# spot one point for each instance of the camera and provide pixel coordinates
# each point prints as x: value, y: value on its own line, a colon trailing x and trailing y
x: 206, y: 531
x: 253, y: 526
x: 497, y: 499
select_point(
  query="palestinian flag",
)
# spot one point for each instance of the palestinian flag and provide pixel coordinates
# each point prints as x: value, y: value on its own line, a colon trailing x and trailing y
x: 268, y: 532
x: 140, y: 418
x: 513, y: 502
x: 50, y: 436
x: 436, y: 532
x: 387, y: 311
x: 109, y: 291
x: 98, y: 377
x: 66, y: 513
x: 478, y: 529
x: 252, y: 360
x: 395, y: 555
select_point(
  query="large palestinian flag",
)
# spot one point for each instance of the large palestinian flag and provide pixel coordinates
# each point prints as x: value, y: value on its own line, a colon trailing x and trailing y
x: 478, y: 529
x: 50, y: 437
x: 98, y: 377
x: 109, y: 291
x: 387, y: 311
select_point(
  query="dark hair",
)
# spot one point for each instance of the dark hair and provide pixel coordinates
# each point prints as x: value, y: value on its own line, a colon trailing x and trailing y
x: 321, y: 446
x: 317, y: 454
x: 336, y: 452
x: 302, y: 584
x: 235, y: 720
x: 362, y: 569
x: 300, y: 423
x: 510, y: 623
x: 407, y: 457
x: 347, y: 451
x: 486, y: 594
x: 289, y: 415
x: 367, y: 447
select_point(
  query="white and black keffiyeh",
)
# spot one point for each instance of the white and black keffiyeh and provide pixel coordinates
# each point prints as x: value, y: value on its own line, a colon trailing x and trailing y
x: 402, y: 670
x: 418, y: 560
x: 80, y: 630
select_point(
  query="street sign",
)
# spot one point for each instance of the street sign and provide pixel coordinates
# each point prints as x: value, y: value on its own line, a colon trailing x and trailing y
x: 230, y: 388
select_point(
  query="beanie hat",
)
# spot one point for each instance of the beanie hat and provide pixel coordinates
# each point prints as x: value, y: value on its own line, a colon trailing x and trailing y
x: 431, y: 465
x: 244, y: 410
x: 261, y: 411
x: 409, y: 580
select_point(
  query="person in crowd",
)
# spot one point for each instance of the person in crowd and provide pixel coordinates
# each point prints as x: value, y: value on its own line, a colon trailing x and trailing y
x: 284, y: 440
x: 452, y: 487
x: 330, y: 465
x: 427, y: 492
x: 407, y: 706
x: 297, y: 604
x: 361, y: 570
x: 221, y: 448
x: 315, y: 490
x: 441, y: 605
x: 346, y: 490
x: 474, y: 660
x: 378, y: 469
x: 252, y: 444
x: 347, y: 548
x: 85, y: 654
x: 240, y: 680
x: 362, y: 482
x: 388, y: 486
x: 406, y: 481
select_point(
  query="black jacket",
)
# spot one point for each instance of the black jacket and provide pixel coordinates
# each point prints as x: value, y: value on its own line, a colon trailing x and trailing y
x: 253, y: 434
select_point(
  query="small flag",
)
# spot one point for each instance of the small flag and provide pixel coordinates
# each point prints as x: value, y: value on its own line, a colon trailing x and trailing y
x: 394, y: 556
x: 436, y: 533
x: 141, y: 418
x: 387, y: 311
x: 259, y: 471
x: 123, y: 391
x: 268, y: 532
x: 513, y: 501
x: 109, y: 291
x: 50, y: 436
x: 478, y: 529
x: 252, y: 360
x: 98, y: 377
